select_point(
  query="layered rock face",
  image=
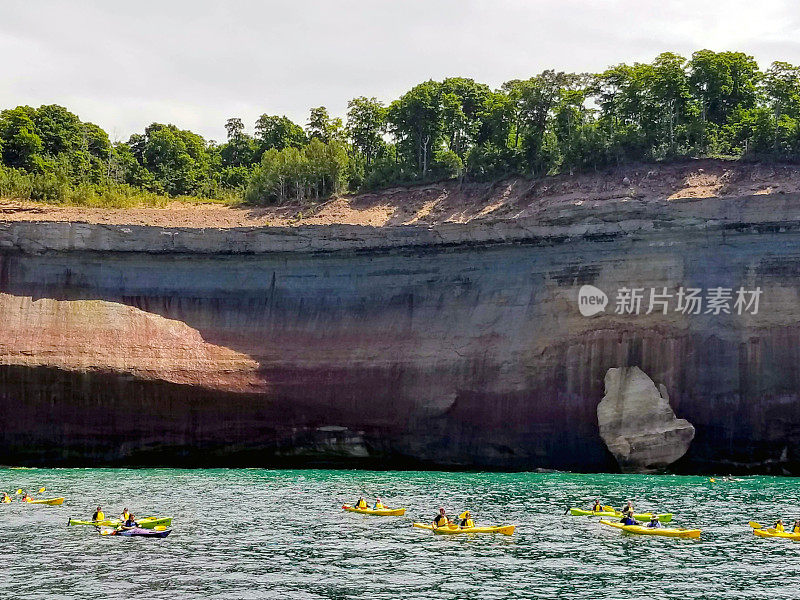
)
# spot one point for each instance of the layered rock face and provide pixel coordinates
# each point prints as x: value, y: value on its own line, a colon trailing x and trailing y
x: 458, y: 345
x: 637, y: 423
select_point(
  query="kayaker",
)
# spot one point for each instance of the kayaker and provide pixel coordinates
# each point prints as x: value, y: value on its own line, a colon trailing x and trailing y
x: 628, y: 519
x: 796, y: 527
x: 467, y: 520
x: 130, y: 522
x: 654, y: 522
x: 6, y: 498
x: 26, y: 498
x: 125, y: 514
x: 597, y: 506
x: 361, y: 503
x: 627, y: 509
x: 378, y: 504
x: 779, y: 526
x: 441, y: 519
x: 98, y: 515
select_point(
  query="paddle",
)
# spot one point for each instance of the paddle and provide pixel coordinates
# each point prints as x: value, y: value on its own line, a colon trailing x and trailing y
x: 754, y: 525
x: 41, y: 490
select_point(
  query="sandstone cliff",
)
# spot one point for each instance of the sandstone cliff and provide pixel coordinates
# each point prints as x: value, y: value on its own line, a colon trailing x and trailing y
x: 456, y: 344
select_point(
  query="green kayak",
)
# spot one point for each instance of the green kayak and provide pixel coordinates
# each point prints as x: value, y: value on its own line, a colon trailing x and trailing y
x: 578, y: 512
x: 144, y: 523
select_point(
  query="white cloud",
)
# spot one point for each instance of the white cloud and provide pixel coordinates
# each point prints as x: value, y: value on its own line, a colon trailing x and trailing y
x: 196, y: 63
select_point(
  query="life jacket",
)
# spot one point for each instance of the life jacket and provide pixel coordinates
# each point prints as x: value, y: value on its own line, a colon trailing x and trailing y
x: 654, y: 524
x: 6, y: 499
x: 130, y: 523
x: 467, y: 523
x: 627, y: 520
x: 796, y: 529
x: 124, y: 516
x: 379, y: 505
x: 98, y: 516
x: 597, y: 508
x: 440, y: 520
x: 779, y: 528
x: 361, y: 503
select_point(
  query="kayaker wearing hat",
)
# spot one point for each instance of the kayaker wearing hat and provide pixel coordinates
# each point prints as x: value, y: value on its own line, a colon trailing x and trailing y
x: 654, y: 522
x: 467, y: 520
x: 441, y: 519
x: 378, y: 504
x: 98, y: 515
x: 361, y: 503
x: 779, y: 526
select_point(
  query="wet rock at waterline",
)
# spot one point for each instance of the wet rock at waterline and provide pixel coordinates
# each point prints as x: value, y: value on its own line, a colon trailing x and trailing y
x: 637, y: 423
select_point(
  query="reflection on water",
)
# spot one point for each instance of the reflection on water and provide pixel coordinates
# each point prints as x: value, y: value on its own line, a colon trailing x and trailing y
x: 280, y: 534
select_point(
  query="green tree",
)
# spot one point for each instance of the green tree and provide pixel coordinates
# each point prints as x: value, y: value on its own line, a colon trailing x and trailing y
x: 277, y: 132
x: 20, y: 142
x: 366, y: 124
x: 415, y: 120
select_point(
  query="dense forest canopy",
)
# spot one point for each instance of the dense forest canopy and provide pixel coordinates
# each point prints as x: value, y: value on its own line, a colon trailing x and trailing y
x: 713, y: 104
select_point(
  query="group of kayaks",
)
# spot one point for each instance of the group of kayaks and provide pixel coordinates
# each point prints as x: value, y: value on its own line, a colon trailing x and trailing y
x: 26, y: 498
x: 152, y: 527
x: 446, y: 527
x: 655, y: 527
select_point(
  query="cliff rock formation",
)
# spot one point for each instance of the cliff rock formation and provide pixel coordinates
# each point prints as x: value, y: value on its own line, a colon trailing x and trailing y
x: 448, y: 344
x: 637, y: 423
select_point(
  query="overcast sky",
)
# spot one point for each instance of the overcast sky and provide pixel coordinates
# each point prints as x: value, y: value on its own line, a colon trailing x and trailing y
x: 195, y: 63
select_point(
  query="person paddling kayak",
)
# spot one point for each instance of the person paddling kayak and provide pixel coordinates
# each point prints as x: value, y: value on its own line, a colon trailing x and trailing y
x: 6, y: 498
x: 26, y: 498
x: 130, y: 522
x: 796, y: 526
x: 597, y: 506
x: 378, y: 504
x: 467, y: 520
x: 779, y: 526
x: 98, y: 515
x: 654, y: 522
x: 441, y: 519
x: 125, y: 514
x: 627, y: 509
x: 361, y: 503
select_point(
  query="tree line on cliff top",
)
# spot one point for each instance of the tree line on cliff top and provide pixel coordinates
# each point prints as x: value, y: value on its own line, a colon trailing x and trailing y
x: 714, y: 104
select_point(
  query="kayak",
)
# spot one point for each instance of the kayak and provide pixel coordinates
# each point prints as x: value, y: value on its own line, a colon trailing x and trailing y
x: 380, y: 512
x: 144, y: 523
x: 578, y: 512
x: 771, y: 533
x: 50, y: 501
x: 675, y: 532
x: 140, y: 532
x: 453, y: 530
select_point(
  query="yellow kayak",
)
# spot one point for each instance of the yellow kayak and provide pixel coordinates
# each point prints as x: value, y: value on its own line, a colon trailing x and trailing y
x: 50, y: 501
x: 455, y: 529
x: 770, y: 532
x: 379, y: 512
x: 675, y: 532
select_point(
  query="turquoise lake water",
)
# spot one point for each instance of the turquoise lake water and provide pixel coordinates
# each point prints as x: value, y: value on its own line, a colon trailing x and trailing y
x: 252, y: 533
